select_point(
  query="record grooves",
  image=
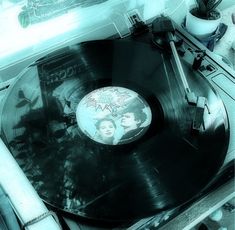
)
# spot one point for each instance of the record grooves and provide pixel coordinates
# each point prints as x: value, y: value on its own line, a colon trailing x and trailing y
x: 55, y: 137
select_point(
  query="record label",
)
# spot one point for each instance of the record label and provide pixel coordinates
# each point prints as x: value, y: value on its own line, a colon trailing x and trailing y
x: 113, y: 115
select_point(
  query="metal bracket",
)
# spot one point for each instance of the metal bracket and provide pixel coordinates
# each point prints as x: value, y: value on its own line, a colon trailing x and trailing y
x: 137, y: 23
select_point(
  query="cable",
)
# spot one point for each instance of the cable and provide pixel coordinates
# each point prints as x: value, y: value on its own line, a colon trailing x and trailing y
x: 8, y: 217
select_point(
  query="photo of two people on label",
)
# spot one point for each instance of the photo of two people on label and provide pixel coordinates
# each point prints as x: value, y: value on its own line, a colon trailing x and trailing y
x: 122, y: 125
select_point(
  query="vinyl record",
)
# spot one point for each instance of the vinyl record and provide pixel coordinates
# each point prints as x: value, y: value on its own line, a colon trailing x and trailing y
x: 103, y: 130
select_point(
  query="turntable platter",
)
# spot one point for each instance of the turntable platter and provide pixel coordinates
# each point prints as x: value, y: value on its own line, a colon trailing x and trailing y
x: 49, y: 123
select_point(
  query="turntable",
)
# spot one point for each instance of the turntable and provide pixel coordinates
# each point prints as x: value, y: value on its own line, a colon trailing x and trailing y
x: 112, y: 131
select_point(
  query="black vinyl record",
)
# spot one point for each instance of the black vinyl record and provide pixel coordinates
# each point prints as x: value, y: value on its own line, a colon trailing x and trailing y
x: 52, y: 121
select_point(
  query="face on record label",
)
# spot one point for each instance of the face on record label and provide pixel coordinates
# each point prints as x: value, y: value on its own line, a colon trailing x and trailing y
x: 113, y: 115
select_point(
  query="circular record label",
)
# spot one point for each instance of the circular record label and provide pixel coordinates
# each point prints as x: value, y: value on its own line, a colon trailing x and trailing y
x: 113, y: 115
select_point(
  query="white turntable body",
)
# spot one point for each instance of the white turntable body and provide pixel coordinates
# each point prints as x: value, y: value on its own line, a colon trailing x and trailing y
x: 23, y: 197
